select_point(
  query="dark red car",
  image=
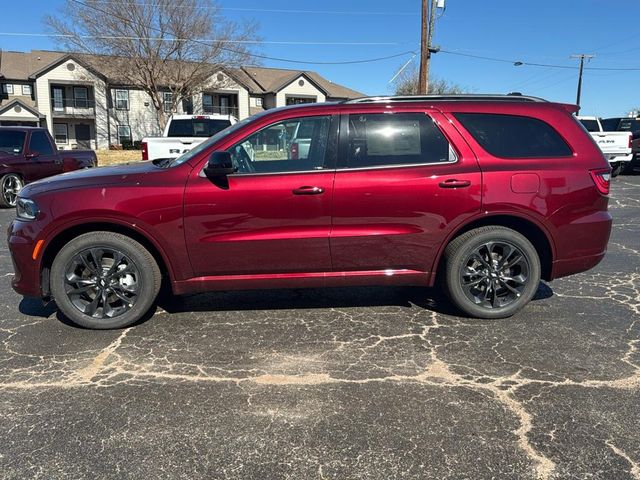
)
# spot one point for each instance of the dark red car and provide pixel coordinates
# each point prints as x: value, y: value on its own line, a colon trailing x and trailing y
x: 28, y: 154
x: 487, y: 194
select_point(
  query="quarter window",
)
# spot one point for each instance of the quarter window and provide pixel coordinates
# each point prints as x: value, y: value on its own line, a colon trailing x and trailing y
x: 512, y: 136
x: 61, y: 133
x: 40, y: 143
x: 122, y: 99
x: 396, y: 139
x: 294, y: 145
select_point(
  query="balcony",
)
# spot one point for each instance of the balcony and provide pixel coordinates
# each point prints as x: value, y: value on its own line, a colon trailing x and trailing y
x: 73, y: 107
x: 219, y: 110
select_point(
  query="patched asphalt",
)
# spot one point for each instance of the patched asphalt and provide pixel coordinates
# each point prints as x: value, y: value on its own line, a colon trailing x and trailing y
x: 370, y: 383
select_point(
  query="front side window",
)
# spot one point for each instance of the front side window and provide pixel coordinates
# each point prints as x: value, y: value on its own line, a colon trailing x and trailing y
x: 512, y: 136
x: 61, y: 133
x: 124, y: 134
x: 122, y: 99
x: 294, y: 145
x: 395, y: 139
x: 40, y: 143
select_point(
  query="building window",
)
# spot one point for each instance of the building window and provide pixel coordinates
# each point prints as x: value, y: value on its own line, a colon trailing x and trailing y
x: 258, y: 102
x: 122, y: 99
x: 7, y: 88
x: 26, y: 90
x: 124, y: 134
x: 61, y: 133
x: 300, y: 100
x: 58, y: 99
x: 167, y: 100
x: 81, y: 97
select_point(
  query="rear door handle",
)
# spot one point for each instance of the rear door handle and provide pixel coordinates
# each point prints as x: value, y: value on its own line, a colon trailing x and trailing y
x: 454, y: 183
x: 308, y: 190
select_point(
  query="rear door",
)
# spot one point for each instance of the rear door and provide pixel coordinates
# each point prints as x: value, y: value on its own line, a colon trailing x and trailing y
x: 404, y: 180
x: 274, y: 214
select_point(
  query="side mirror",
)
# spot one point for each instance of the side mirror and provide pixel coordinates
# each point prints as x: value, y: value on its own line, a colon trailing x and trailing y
x: 219, y: 165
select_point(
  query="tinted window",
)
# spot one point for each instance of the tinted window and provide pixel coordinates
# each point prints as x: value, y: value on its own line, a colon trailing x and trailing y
x: 11, y: 142
x: 592, y: 125
x: 629, y: 125
x: 395, y: 139
x: 511, y: 136
x: 40, y: 143
x: 294, y: 145
x: 196, y: 127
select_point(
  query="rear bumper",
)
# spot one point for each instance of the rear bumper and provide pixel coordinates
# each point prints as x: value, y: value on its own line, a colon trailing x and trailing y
x: 582, y: 244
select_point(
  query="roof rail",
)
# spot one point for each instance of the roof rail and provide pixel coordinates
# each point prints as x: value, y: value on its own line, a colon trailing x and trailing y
x: 510, y: 97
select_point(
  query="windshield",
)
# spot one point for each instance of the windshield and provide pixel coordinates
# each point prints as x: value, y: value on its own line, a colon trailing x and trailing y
x: 12, y: 141
x: 196, y: 127
x: 590, y: 125
x: 207, y: 143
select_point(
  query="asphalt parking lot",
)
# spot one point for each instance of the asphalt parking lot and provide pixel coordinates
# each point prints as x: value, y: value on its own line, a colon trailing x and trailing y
x: 368, y: 383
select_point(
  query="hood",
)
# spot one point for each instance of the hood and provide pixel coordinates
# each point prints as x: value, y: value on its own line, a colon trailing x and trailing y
x: 90, y: 177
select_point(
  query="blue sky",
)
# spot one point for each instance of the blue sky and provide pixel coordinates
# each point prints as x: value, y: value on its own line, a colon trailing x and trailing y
x: 526, y: 30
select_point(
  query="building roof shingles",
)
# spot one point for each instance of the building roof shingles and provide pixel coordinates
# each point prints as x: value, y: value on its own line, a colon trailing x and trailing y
x: 258, y: 80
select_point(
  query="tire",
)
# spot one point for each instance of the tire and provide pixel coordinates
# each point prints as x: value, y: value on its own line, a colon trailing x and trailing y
x: 464, y: 272
x: 10, y: 186
x: 128, y: 279
x: 616, y: 169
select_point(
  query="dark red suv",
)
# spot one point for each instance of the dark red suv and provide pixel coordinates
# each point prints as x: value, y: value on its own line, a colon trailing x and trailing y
x: 487, y: 194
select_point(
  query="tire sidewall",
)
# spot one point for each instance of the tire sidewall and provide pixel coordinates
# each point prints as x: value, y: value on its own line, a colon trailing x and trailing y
x: 458, y: 261
x: 133, y: 250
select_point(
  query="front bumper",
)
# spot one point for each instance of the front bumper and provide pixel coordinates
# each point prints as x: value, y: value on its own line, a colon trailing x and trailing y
x: 21, y: 240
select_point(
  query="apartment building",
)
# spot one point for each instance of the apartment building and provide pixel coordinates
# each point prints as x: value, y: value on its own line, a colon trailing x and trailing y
x: 85, y: 106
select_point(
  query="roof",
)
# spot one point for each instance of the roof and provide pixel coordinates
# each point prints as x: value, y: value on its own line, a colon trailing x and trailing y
x: 25, y: 102
x: 274, y: 79
x: 258, y: 80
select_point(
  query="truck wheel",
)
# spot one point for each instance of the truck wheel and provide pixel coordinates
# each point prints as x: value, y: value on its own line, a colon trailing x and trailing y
x: 10, y: 186
x: 491, y: 272
x: 616, y: 168
x: 104, y: 280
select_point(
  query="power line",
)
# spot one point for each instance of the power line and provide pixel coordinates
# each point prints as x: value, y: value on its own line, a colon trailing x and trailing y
x: 263, y: 10
x: 176, y: 39
x: 255, y: 55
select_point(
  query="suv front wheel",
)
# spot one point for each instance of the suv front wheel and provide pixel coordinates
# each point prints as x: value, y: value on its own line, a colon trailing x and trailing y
x: 491, y: 272
x: 104, y: 280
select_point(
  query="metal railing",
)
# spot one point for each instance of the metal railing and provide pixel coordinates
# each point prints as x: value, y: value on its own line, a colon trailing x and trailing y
x: 221, y: 110
x: 73, y: 106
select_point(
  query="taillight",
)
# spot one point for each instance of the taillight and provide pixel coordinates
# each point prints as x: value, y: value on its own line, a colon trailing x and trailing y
x: 145, y: 151
x: 294, y: 151
x: 630, y: 140
x: 602, y: 179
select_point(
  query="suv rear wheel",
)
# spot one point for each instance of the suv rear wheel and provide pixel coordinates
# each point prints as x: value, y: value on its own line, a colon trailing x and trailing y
x: 491, y: 272
x: 104, y: 280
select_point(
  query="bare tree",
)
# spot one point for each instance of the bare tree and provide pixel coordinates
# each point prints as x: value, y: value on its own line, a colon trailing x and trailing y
x: 156, y: 45
x: 407, y: 83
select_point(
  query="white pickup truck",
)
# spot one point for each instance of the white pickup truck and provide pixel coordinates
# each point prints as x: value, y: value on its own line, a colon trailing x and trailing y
x: 616, y: 146
x: 182, y: 133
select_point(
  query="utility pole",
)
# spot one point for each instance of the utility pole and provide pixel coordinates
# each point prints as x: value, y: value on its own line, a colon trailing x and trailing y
x: 429, y: 8
x: 582, y: 58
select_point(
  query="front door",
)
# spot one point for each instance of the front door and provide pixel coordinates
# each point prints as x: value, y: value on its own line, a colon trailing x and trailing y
x: 274, y: 214
x: 42, y: 159
x: 225, y: 103
x: 400, y: 187
x: 83, y: 136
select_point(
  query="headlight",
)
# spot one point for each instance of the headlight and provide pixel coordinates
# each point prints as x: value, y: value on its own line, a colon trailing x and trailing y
x: 26, y: 209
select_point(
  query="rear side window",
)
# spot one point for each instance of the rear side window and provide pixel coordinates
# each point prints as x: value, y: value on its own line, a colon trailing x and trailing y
x: 512, y: 136
x: 196, y: 127
x: 395, y: 139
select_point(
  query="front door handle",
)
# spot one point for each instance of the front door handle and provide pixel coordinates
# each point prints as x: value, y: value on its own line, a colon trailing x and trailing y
x: 454, y: 183
x: 308, y: 190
